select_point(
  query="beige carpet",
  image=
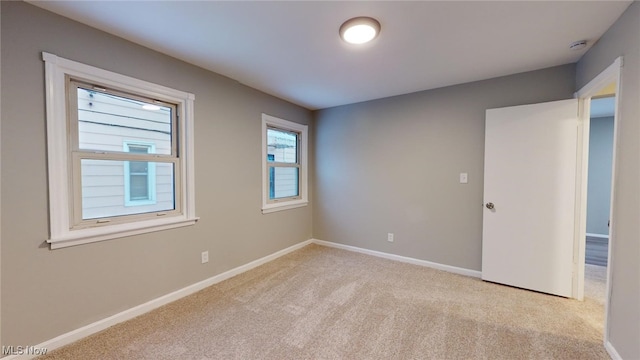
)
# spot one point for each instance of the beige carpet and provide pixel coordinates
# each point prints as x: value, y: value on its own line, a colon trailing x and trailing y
x: 324, y: 303
x: 595, y: 282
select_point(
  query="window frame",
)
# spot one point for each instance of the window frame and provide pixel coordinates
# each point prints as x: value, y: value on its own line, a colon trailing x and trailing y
x: 273, y: 205
x: 77, y: 154
x: 62, y: 177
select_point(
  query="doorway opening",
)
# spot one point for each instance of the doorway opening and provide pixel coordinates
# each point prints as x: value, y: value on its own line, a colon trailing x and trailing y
x: 600, y: 166
x: 603, y: 92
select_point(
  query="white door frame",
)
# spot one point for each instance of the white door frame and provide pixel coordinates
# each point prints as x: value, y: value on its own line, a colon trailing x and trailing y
x: 611, y: 74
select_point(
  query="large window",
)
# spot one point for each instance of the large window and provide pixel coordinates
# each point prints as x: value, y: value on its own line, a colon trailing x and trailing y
x: 120, y: 154
x: 284, y: 158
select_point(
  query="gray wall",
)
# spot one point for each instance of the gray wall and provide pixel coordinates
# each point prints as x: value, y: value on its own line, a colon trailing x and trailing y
x: 392, y: 165
x: 46, y: 293
x: 599, y: 183
x: 622, y: 40
x: 414, y: 144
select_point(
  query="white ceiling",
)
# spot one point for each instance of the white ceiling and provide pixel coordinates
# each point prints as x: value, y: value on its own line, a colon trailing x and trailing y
x: 292, y: 49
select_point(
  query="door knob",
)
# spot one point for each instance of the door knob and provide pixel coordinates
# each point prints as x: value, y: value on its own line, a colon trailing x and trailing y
x: 490, y: 206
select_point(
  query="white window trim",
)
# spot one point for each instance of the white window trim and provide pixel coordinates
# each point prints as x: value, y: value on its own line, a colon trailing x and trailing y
x: 284, y: 204
x: 151, y: 176
x: 61, y: 235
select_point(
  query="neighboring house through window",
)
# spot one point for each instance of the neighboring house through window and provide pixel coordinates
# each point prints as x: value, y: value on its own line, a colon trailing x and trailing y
x: 284, y: 173
x: 128, y: 149
x: 272, y: 173
x: 139, y: 176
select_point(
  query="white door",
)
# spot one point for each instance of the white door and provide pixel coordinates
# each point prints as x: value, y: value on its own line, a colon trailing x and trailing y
x: 529, y: 196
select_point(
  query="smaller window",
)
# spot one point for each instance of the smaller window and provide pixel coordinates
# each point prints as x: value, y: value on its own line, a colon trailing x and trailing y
x: 284, y: 164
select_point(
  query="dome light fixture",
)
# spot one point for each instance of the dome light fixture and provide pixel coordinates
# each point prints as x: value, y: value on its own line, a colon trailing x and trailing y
x: 359, y: 30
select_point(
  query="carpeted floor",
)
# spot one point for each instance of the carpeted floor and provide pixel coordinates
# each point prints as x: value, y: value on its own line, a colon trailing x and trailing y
x: 595, y: 282
x: 324, y: 303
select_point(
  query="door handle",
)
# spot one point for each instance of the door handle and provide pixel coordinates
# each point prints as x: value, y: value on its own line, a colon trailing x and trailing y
x: 490, y: 206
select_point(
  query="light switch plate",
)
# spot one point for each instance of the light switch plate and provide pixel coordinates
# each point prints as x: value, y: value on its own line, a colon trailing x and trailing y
x: 464, y: 178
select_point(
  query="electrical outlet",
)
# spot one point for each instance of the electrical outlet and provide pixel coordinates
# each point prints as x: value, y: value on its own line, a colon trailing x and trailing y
x: 390, y: 237
x: 205, y: 257
x: 464, y: 178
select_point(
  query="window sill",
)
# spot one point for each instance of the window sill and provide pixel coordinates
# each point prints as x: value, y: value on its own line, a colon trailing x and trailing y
x: 90, y: 235
x: 274, y: 207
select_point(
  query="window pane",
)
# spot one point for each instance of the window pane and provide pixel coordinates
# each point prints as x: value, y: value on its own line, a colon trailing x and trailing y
x: 106, y: 121
x: 138, y: 149
x: 282, y: 145
x: 139, y: 187
x: 283, y: 182
x: 272, y: 175
x: 106, y: 192
x: 138, y: 167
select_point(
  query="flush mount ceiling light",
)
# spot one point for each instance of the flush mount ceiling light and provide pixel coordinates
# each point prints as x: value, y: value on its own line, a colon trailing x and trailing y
x: 359, y: 30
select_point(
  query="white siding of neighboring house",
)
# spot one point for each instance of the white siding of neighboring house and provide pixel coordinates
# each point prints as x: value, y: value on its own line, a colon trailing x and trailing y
x: 103, y: 182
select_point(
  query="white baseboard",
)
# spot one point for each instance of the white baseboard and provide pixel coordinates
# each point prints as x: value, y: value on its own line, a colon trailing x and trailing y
x: 100, y: 325
x: 602, y: 236
x: 448, y: 268
x: 612, y: 351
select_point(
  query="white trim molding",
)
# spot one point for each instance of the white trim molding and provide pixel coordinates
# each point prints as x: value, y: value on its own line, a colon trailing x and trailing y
x: 409, y: 260
x: 612, y: 351
x: 61, y: 199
